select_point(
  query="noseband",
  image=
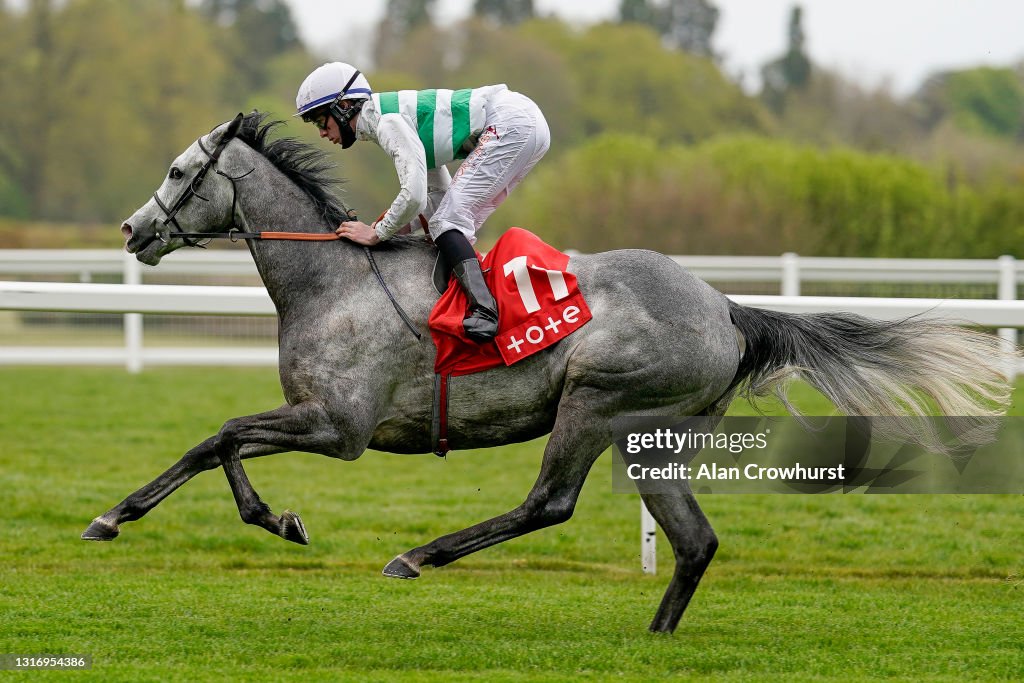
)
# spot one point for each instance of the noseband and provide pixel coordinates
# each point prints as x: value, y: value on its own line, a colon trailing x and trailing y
x: 192, y: 190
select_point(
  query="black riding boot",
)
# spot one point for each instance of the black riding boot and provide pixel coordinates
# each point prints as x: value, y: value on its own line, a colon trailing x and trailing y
x: 482, y: 322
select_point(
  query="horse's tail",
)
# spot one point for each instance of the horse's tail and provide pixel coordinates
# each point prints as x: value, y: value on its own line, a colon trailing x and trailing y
x: 889, y: 369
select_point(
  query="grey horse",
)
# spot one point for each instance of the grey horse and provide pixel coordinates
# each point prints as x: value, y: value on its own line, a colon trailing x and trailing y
x: 661, y: 343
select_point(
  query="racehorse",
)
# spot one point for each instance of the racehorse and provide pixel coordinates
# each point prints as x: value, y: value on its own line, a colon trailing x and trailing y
x: 661, y: 343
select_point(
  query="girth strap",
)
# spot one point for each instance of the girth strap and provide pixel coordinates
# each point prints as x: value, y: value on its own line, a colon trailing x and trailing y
x: 439, y: 423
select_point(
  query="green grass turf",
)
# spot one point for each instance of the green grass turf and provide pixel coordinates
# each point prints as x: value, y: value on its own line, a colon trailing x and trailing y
x: 803, y: 587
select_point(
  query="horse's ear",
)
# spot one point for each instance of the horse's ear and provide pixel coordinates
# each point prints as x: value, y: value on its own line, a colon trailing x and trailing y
x: 230, y: 132
x: 233, y: 127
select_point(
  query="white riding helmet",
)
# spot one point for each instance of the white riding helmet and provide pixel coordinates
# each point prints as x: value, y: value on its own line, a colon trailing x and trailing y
x: 329, y: 82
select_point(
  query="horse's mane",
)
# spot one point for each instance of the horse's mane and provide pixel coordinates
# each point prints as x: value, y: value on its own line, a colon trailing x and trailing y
x: 303, y: 164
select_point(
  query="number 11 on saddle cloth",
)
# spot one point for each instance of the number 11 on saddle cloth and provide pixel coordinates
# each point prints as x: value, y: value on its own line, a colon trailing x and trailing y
x: 539, y: 304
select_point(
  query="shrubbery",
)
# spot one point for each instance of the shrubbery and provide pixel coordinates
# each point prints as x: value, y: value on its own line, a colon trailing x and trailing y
x: 751, y: 195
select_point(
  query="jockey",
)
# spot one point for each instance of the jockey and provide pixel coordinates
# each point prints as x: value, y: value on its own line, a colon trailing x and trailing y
x: 499, y: 133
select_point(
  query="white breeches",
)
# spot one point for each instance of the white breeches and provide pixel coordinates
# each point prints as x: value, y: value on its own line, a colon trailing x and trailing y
x: 515, y: 137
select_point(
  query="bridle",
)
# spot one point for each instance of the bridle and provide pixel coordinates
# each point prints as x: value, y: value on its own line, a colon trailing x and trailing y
x: 234, y: 233
x: 201, y: 239
x: 192, y: 190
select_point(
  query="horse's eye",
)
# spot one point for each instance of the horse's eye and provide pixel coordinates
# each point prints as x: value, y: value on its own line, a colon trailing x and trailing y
x: 175, y: 173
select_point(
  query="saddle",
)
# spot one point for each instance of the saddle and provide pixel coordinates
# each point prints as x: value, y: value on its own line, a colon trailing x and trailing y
x: 441, y: 274
x: 539, y: 304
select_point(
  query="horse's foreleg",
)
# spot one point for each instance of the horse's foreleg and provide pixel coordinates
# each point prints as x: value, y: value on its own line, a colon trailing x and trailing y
x: 304, y: 427
x: 693, y: 543
x: 576, y: 441
x: 199, y: 459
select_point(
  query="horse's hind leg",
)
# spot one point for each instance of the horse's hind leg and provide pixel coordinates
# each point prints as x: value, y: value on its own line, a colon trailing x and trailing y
x: 199, y: 459
x: 693, y: 543
x: 576, y: 441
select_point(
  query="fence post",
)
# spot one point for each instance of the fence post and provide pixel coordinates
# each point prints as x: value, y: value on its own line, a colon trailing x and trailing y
x: 790, y: 274
x: 132, y: 321
x: 1008, y: 292
x: 648, y: 541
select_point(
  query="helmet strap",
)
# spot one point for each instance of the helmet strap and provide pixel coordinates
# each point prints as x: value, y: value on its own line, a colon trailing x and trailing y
x: 343, y: 117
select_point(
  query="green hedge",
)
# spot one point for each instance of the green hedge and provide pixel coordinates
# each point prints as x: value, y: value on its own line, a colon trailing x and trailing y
x: 752, y: 195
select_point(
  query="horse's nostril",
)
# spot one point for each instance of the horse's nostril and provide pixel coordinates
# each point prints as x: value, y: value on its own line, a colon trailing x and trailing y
x: 126, y: 230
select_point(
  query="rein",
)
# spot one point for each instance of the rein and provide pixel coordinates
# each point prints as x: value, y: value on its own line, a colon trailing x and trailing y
x: 199, y: 239
x: 234, y: 235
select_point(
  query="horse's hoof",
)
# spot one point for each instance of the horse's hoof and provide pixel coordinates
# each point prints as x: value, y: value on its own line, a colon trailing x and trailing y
x: 100, y: 530
x: 292, y: 528
x: 398, y: 568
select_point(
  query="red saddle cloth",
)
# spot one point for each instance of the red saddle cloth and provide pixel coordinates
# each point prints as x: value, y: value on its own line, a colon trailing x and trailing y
x: 538, y: 305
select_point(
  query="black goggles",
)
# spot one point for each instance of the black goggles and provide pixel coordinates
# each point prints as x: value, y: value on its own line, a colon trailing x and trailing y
x: 317, y: 118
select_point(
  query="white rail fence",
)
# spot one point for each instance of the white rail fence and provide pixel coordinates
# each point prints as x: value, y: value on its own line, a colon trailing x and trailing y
x: 789, y: 270
x: 133, y: 299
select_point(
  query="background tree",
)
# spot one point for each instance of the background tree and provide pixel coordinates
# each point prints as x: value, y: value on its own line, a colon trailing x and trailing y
x: 257, y: 31
x: 832, y: 110
x: 94, y: 113
x: 985, y: 100
x: 12, y: 48
x: 792, y: 71
x: 632, y: 83
x: 637, y: 12
x: 32, y: 86
x: 401, y: 18
x: 690, y: 26
x: 504, y: 12
x: 687, y: 25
